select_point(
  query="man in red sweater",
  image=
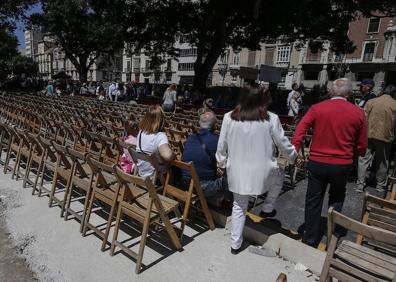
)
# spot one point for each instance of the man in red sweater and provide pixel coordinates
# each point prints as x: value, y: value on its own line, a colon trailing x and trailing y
x: 339, y: 136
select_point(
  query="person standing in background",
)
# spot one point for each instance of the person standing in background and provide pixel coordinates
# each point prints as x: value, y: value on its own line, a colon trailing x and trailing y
x: 381, y: 118
x: 49, y: 90
x: 169, y: 99
x: 291, y: 93
x: 366, y: 88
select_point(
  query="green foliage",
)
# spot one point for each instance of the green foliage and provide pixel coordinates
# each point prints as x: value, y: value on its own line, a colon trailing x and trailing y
x: 84, y: 29
x: 10, y: 10
x: 24, y: 65
x: 8, y: 49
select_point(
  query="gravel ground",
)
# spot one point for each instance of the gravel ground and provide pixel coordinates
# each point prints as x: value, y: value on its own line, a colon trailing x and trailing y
x: 55, y: 251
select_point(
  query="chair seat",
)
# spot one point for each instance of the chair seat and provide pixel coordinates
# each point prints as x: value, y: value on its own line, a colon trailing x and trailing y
x: 81, y: 182
x: 138, y: 208
x: 178, y: 193
x: 354, y: 259
x: 65, y: 173
x: 107, y: 195
x: 25, y: 151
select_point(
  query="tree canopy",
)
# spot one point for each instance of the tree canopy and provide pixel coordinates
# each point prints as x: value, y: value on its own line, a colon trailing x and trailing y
x: 10, y: 10
x: 84, y: 29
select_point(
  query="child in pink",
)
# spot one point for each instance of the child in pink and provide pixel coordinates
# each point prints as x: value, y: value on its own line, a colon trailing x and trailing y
x: 131, y: 130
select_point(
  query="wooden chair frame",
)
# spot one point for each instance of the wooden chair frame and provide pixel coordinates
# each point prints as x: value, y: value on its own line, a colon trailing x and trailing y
x: 188, y: 197
x: 352, y: 262
x: 141, y: 202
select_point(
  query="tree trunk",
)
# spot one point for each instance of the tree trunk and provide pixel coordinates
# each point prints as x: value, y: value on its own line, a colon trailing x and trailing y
x: 204, y: 64
x: 82, y: 72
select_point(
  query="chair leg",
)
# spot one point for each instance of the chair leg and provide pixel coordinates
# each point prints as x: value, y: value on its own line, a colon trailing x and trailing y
x: 88, y: 215
x: 67, y: 192
x: 16, y: 165
x: 142, y: 242
x: 27, y: 172
x: 185, y: 216
x: 116, y: 229
x: 51, y: 196
x: 109, y: 221
x: 84, y: 213
x: 42, y: 181
x: 7, y: 161
x: 67, y: 201
x: 40, y: 167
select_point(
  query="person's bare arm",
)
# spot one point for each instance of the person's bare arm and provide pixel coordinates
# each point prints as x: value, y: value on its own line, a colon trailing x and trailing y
x: 166, y: 153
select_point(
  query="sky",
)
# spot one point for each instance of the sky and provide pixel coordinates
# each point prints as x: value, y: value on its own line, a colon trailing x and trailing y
x: 21, y: 27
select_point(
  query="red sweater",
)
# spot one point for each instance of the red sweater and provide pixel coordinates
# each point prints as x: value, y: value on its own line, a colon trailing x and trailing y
x: 339, y: 132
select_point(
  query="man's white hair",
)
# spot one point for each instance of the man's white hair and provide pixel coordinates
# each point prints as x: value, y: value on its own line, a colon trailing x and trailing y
x: 207, y: 120
x: 341, y: 87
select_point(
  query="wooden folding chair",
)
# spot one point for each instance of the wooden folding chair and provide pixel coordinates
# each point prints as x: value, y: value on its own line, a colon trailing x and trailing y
x: 105, y: 189
x: 192, y: 195
x: 144, y: 208
x: 24, y: 151
x: 48, y: 164
x: 94, y: 146
x: 5, y: 140
x: 13, y: 149
x: 63, y: 170
x: 82, y: 178
x: 379, y: 213
x: 110, y: 151
x: 177, y: 147
x: 36, y: 158
x: 178, y: 135
x: 349, y: 261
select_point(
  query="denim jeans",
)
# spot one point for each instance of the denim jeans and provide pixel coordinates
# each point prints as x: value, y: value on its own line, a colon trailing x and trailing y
x: 212, y: 188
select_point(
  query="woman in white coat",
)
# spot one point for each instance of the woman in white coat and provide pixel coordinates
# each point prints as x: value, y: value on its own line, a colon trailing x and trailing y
x: 246, y: 150
x: 294, y: 105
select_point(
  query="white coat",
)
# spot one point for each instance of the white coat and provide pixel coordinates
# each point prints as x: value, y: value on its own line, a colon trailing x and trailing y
x: 294, y: 107
x: 247, y: 151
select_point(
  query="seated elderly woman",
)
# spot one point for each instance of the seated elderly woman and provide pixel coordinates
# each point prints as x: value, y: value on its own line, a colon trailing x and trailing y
x: 200, y: 148
x: 152, y: 140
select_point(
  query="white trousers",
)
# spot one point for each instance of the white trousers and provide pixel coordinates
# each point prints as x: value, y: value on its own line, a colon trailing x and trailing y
x: 240, y: 206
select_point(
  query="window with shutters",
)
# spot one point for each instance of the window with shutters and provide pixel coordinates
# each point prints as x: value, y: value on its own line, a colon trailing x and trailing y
x: 283, y: 54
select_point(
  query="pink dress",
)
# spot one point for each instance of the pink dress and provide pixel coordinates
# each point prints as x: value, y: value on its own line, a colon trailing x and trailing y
x: 126, y: 162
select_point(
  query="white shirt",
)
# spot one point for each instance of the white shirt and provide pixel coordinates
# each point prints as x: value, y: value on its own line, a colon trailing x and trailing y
x: 112, y: 88
x: 247, y: 151
x: 289, y: 98
x: 169, y: 97
x: 150, y: 144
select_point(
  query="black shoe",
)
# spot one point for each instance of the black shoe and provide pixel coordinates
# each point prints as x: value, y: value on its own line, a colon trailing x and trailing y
x: 268, y: 214
x: 236, y: 251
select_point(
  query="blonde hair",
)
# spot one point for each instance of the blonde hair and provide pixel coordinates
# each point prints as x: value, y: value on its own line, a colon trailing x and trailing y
x: 153, y: 120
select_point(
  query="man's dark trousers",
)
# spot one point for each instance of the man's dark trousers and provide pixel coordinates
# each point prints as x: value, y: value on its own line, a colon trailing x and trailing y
x: 319, y: 176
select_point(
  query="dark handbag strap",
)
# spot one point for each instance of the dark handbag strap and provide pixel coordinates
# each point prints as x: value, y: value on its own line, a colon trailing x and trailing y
x: 140, y: 144
x: 205, y: 148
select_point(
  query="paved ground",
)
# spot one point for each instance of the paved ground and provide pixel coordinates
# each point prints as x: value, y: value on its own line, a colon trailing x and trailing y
x: 290, y: 206
x: 13, y: 268
x: 55, y: 250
